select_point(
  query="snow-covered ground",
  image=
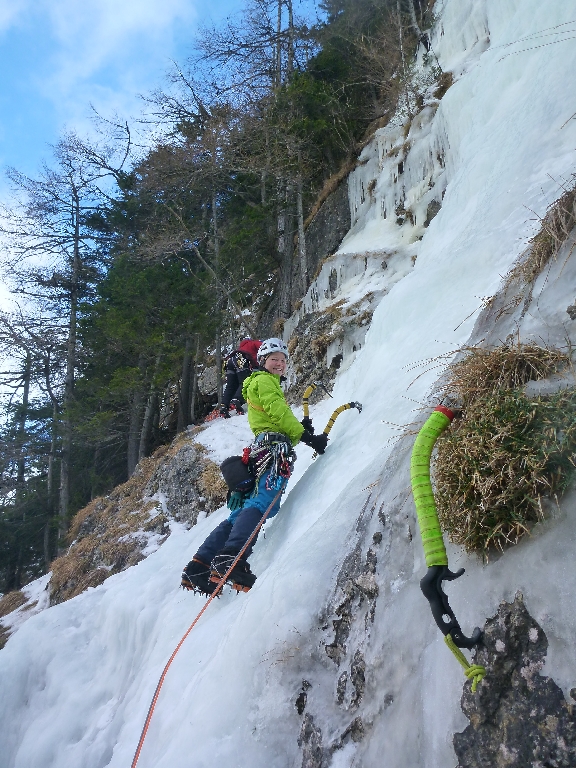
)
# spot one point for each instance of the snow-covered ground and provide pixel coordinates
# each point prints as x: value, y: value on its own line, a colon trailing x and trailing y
x: 77, y: 679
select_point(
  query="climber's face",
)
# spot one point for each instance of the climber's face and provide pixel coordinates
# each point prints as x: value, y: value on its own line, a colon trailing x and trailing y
x: 276, y: 363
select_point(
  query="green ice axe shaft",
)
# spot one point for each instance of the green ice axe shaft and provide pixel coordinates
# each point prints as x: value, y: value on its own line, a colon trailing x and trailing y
x: 434, y: 549
x: 430, y: 531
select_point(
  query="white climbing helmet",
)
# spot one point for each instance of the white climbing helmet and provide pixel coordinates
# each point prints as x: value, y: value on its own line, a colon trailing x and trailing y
x: 269, y: 346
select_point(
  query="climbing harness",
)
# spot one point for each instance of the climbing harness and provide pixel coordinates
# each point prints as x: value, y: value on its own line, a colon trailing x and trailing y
x: 433, y: 543
x: 217, y: 589
x: 335, y: 415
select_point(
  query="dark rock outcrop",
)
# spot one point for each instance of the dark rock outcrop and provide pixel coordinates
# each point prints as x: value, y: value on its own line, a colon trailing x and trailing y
x: 517, y: 716
x: 326, y: 230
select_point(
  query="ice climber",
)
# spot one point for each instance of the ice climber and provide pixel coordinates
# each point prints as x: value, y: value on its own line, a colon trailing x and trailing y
x: 270, y: 458
x: 239, y: 365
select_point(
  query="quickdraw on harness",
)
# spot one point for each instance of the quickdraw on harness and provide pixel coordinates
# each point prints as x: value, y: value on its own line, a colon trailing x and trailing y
x: 433, y: 543
x: 273, y: 451
x: 335, y: 415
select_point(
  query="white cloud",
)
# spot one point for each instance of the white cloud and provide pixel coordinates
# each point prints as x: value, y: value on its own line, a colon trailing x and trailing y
x: 106, y: 53
x: 96, y: 33
x: 10, y: 11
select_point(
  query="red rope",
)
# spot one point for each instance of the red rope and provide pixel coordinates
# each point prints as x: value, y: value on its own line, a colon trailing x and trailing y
x: 191, y: 627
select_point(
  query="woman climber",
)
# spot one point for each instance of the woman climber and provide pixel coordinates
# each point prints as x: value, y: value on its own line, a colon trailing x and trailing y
x: 271, y: 457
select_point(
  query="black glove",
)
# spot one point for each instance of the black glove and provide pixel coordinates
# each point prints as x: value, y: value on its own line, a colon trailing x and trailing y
x: 223, y: 411
x: 307, y: 424
x: 318, y: 442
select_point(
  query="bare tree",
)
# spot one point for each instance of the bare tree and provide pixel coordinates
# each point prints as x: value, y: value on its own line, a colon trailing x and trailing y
x: 54, y: 256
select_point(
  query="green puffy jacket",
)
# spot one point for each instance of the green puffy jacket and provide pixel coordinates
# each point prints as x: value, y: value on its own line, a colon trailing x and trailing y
x: 268, y: 410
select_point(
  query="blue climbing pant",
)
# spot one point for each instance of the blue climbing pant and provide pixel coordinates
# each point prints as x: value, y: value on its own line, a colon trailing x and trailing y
x: 234, y: 532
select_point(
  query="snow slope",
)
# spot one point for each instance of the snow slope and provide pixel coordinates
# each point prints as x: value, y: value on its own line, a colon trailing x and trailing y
x: 77, y: 679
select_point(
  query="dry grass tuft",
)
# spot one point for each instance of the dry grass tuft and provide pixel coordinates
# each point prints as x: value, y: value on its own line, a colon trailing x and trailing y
x: 278, y: 327
x: 486, y: 371
x: 555, y: 229
x: 508, y: 452
x: 212, y: 484
x: 445, y: 81
x: 11, y: 601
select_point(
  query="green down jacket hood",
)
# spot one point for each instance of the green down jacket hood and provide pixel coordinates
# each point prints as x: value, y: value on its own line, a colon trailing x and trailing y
x: 268, y: 410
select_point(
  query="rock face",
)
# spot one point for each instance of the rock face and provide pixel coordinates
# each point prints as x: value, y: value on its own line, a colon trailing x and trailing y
x: 116, y: 531
x: 517, y: 716
x: 323, y: 237
x: 326, y: 231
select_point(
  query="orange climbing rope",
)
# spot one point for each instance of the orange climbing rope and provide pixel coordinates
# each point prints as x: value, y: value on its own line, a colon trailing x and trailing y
x: 191, y: 627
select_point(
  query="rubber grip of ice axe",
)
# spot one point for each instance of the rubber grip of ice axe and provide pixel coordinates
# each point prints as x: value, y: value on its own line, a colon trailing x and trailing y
x: 307, y: 392
x: 337, y: 412
x: 430, y: 531
x: 335, y: 415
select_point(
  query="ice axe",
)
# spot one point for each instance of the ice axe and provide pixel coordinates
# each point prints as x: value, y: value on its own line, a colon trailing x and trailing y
x: 433, y: 543
x: 335, y: 415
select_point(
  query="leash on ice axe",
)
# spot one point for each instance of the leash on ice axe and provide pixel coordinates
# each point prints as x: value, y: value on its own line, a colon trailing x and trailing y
x: 433, y: 543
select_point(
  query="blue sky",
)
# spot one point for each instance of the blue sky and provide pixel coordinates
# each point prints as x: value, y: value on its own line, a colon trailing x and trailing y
x: 59, y: 56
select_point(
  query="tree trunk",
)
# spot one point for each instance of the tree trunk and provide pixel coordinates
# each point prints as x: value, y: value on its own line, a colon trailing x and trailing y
x: 134, y: 427
x: 290, y: 54
x: 285, y: 248
x: 22, y: 422
x: 278, y: 72
x: 147, y: 424
x: 184, y: 393
x: 301, y: 234
x: 63, y: 508
x: 194, y: 381
x: 134, y: 431
x: 151, y: 406
x: 219, y: 385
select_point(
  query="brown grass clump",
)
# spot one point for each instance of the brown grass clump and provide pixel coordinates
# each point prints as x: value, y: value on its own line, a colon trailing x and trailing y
x: 555, y: 228
x: 278, y: 327
x: 11, y: 601
x: 486, y: 371
x: 508, y: 452
x: 445, y: 81
x: 212, y: 484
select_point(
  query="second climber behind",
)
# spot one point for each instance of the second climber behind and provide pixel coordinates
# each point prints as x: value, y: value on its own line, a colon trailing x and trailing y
x: 276, y: 431
x: 239, y: 365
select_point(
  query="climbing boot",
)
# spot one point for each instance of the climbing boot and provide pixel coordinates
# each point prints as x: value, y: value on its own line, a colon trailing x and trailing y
x: 196, y: 577
x: 240, y: 578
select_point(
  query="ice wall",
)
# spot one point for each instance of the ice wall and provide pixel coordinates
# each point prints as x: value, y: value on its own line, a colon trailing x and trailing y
x: 77, y: 679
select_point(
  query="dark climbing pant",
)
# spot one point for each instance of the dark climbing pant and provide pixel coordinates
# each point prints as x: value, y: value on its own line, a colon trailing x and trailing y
x: 233, y: 533
x: 215, y: 542
x: 231, y: 537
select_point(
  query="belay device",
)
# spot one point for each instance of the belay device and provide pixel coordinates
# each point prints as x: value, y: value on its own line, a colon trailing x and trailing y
x: 433, y: 543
